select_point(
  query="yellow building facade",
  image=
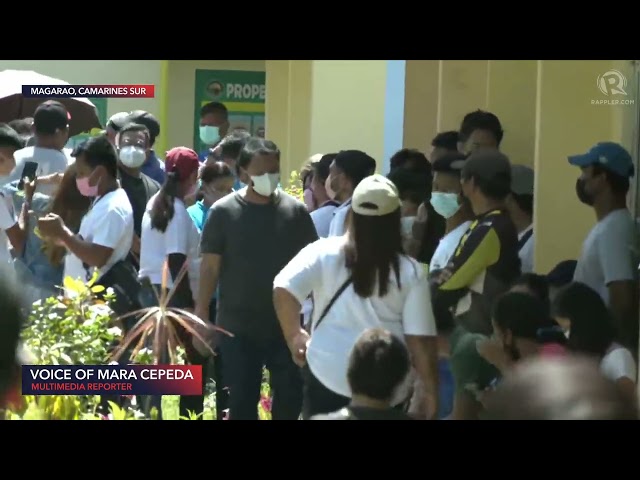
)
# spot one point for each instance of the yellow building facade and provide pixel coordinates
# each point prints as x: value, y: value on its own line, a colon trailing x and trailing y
x: 549, y: 110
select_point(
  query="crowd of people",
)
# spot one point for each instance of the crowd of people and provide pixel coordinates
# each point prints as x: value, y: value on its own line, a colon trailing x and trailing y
x: 412, y: 295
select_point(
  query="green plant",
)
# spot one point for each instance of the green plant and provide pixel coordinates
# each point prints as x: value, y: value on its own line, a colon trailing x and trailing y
x: 157, y: 327
x: 79, y: 330
x: 294, y: 187
x: 72, y: 330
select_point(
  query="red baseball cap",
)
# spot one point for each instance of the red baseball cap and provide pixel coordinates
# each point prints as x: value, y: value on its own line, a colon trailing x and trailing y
x: 182, y: 160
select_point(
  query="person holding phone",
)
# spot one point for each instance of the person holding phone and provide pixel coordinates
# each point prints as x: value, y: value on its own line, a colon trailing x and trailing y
x: 106, y: 231
x: 51, y: 130
x: 10, y: 232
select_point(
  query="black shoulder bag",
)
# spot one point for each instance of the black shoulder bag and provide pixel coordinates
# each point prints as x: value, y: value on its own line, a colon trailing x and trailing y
x: 335, y: 297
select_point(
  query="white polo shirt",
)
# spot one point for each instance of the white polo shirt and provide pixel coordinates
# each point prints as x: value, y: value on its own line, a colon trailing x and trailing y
x: 109, y: 223
x: 181, y: 236
x: 338, y: 225
x: 320, y: 268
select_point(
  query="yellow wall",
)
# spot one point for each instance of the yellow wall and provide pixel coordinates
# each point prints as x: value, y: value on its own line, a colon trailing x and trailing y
x: 438, y: 93
x: 421, y: 103
x: 512, y: 97
x: 288, y: 111
x: 347, y: 106
x: 109, y: 72
x: 463, y: 89
x: 546, y: 112
x: 566, y: 124
x: 181, y: 108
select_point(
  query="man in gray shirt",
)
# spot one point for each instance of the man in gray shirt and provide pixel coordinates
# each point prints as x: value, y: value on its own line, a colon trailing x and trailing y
x: 249, y: 236
x: 609, y: 259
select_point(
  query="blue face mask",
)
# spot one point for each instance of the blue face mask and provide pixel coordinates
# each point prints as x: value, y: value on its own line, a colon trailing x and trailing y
x: 209, y: 135
x: 445, y: 204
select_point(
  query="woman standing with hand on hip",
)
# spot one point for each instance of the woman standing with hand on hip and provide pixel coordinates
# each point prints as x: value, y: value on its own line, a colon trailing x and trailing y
x: 360, y: 280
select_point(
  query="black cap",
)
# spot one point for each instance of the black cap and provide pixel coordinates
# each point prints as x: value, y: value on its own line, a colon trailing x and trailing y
x: 487, y: 164
x: 117, y: 121
x: 50, y: 117
x: 145, y: 118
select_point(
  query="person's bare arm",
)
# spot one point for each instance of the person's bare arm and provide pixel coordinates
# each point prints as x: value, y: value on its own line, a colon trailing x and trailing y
x: 90, y: 253
x: 623, y: 301
x: 420, y: 224
x: 424, y: 354
x: 465, y: 407
x: 17, y: 234
x: 209, y: 274
x: 288, y: 310
x: 628, y: 388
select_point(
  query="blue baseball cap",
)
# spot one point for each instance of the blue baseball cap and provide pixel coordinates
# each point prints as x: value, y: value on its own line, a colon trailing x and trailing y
x: 608, y: 155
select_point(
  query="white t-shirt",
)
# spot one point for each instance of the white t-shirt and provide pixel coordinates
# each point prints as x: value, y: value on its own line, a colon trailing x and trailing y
x: 618, y: 363
x: 526, y: 252
x: 320, y: 268
x: 338, y: 225
x: 322, y: 219
x: 49, y: 161
x: 609, y: 253
x: 181, y: 236
x: 7, y: 220
x: 447, y: 247
x: 109, y: 223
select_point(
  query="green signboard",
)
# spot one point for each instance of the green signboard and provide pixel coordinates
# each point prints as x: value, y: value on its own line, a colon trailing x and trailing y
x: 101, y: 107
x: 243, y: 94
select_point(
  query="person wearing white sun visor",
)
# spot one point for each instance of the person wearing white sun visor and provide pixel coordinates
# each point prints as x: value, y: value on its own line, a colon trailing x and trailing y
x: 133, y: 143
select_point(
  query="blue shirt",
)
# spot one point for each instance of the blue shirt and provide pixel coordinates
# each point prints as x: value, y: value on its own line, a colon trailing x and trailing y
x: 198, y: 213
x: 153, y: 167
x: 204, y: 154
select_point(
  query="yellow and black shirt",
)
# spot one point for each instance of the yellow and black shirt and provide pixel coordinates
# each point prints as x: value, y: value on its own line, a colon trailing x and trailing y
x: 484, y: 266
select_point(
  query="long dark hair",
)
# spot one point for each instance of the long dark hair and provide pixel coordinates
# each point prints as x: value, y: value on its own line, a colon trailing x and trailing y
x: 71, y: 206
x: 162, y: 210
x: 374, y: 247
x: 592, y: 328
x: 526, y: 316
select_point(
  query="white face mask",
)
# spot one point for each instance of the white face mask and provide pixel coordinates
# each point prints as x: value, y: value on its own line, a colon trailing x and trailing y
x: 265, y: 184
x: 132, y: 156
x: 406, y: 226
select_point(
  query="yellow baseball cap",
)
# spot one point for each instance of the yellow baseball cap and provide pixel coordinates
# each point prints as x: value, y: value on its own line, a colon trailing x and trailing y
x: 375, y: 196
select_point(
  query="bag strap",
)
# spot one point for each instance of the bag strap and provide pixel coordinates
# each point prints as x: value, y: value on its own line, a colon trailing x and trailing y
x: 335, y: 297
x: 525, y: 238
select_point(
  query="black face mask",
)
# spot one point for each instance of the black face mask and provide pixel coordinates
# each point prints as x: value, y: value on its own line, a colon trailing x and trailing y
x: 582, y: 193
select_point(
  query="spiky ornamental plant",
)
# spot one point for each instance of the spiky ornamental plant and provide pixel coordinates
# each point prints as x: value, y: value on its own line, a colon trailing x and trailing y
x: 159, y: 323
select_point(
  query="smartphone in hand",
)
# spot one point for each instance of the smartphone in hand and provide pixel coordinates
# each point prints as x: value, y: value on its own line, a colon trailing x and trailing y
x: 29, y: 171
